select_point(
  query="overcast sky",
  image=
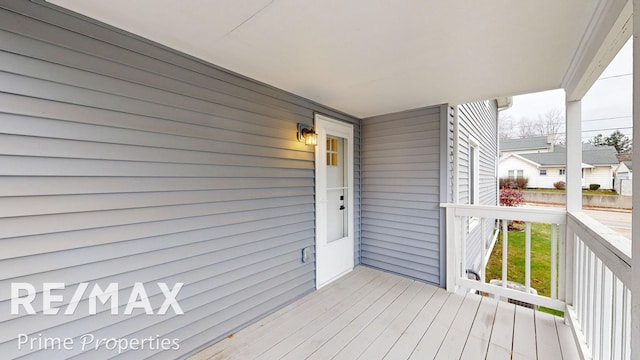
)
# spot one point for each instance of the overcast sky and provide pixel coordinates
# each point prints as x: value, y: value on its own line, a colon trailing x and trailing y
x: 606, y: 107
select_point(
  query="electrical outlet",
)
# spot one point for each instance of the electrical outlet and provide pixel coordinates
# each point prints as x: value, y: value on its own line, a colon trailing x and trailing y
x: 307, y: 254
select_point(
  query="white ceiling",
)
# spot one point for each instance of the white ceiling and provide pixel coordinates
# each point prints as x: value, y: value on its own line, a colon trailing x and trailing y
x: 368, y: 57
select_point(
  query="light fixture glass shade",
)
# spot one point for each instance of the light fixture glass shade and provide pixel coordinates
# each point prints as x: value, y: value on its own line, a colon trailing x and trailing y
x: 311, y: 139
x: 307, y: 135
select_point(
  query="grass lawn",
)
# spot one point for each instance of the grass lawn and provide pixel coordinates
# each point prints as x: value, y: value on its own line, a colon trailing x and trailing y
x: 540, y: 260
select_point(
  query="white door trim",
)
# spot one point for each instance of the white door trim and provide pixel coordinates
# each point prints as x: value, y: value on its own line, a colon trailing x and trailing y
x: 328, y: 266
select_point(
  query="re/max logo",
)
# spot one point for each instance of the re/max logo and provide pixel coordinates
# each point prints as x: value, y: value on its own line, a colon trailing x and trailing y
x: 24, y: 294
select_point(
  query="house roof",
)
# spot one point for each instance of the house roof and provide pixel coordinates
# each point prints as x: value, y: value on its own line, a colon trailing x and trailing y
x: 536, y: 142
x: 593, y: 155
x: 368, y: 58
x: 629, y: 165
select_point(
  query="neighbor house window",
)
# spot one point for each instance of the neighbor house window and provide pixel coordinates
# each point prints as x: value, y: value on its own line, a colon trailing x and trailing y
x: 562, y: 171
x: 543, y: 172
x: 516, y: 173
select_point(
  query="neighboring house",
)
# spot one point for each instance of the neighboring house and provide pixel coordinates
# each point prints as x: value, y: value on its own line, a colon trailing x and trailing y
x: 546, y: 168
x: 623, y: 178
x: 530, y: 145
x: 624, y: 170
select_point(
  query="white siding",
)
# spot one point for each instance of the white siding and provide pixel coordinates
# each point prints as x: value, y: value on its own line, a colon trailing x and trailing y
x: 478, y: 120
x: 123, y: 161
x: 547, y: 181
x: 530, y: 171
x: 602, y: 175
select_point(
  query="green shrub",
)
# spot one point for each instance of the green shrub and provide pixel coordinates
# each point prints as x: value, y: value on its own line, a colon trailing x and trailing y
x: 594, y: 186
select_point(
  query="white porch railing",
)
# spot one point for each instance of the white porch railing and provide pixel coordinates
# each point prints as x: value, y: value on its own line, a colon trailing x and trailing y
x: 590, y: 272
x: 600, y: 313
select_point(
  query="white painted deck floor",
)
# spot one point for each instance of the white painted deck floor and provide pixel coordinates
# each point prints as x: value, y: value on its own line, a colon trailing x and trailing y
x: 370, y: 314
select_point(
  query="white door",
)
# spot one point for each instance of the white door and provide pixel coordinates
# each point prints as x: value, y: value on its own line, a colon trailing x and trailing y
x: 334, y: 200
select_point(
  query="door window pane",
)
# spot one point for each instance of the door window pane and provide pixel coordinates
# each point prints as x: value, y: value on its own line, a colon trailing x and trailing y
x: 337, y: 191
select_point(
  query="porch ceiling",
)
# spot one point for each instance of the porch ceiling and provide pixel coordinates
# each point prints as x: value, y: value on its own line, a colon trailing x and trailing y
x: 368, y: 57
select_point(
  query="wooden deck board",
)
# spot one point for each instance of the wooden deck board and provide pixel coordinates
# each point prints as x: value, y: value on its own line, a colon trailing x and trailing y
x: 478, y: 342
x: 315, y: 301
x: 454, y: 342
x: 340, y: 337
x: 430, y: 298
x: 547, y: 341
x: 370, y: 314
x: 368, y: 335
x: 408, y: 340
x: 567, y: 344
x: 431, y: 340
x: 332, y: 319
x: 524, y: 334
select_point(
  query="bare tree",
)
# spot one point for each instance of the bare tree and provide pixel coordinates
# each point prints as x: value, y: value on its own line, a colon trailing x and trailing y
x: 550, y: 123
x: 526, y: 128
x: 505, y: 127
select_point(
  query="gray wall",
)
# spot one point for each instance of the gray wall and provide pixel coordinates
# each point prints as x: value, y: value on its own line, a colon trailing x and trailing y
x: 478, y: 120
x: 123, y: 161
x: 401, y: 162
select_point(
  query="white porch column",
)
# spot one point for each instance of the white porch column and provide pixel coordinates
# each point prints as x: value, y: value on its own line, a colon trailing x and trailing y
x: 635, y: 245
x: 574, y: 186
x: 574, y: 155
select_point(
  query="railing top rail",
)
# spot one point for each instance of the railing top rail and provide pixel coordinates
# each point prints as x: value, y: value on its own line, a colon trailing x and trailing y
x: 540, y: 214
x: 613, y: 249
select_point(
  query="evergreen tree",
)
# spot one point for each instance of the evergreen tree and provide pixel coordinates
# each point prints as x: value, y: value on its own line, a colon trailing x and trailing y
x: 617, y: 139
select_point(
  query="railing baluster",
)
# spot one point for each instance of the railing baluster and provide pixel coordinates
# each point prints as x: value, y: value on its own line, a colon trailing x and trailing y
x: 597, y: 288
x: 527, y: 257
x: 595, y: 302
x: 605, y: 320
x: 577, y: 277
x: 505, y: 240
x: 626, y: 326
x: 614, y: 323
x: 589, y: 322
x: 463, y: 246
x: 562, y: 269
x: 483, y: 251
x: 581, y: 282
x: 585, y: 289
x: 554, y: 264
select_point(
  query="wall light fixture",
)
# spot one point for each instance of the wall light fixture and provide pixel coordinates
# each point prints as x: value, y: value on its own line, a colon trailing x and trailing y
x: 307, y: 135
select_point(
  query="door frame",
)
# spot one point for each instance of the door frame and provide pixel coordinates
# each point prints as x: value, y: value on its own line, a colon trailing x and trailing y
x: 322, y: 126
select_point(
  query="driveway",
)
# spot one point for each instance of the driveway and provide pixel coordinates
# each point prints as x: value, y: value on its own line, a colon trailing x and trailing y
x: 617, y: 220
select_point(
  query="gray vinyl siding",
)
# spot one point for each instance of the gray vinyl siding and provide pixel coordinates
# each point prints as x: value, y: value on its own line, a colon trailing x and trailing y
x: 401, y: 177
x: 478, y: 120
x: 124, y: 161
